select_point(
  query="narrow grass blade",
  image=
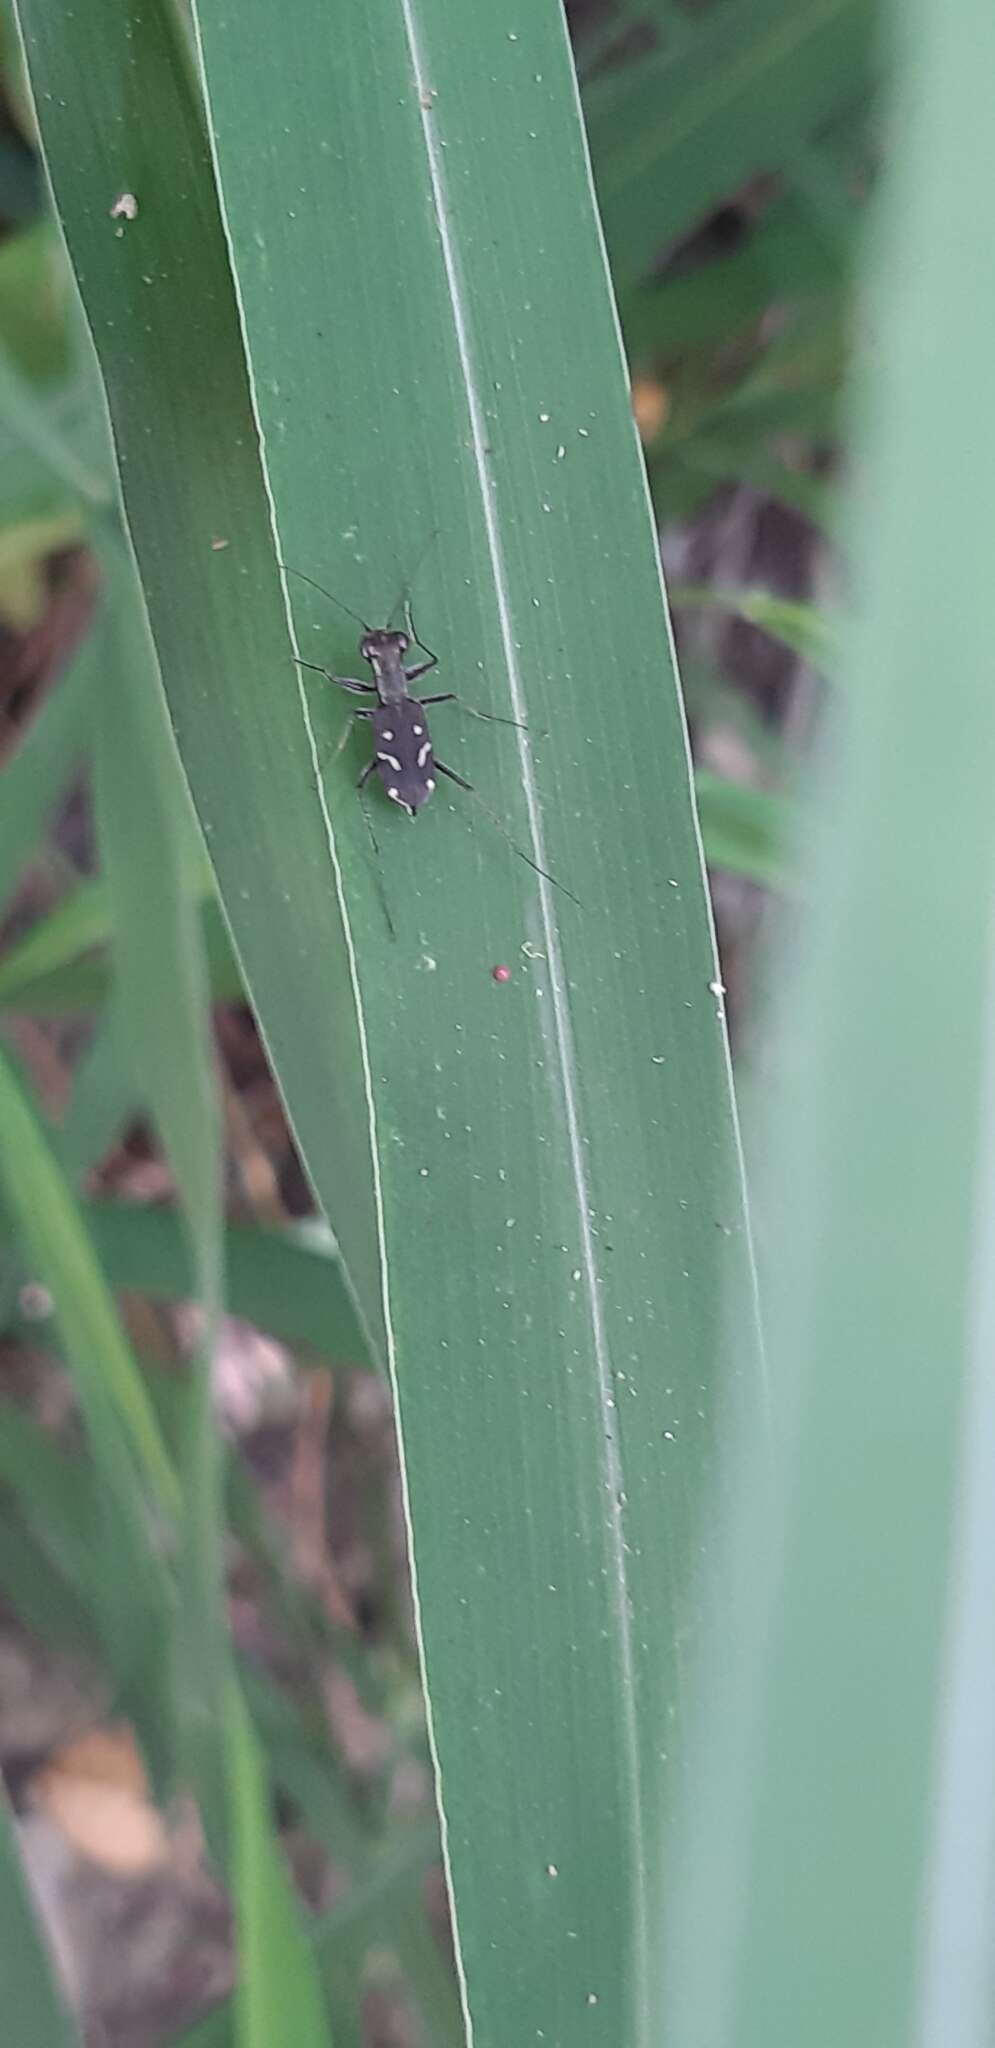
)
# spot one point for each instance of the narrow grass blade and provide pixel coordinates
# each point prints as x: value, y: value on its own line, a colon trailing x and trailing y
x: 30, y: 419
x: 79, y: 922
x: 838, y: 1880
x: 35, y: 777
x: 211, y: 579
x: 45, y: 975
x: 148, y: 841
x: 802, y: 628
x: 750, y: 832
x: 286, y: 1282
x: 278, y: 1997
x: 343, y: 1935
x: 147, y: 838
x: 57, y: 1492
x: 674, y: 133
x: 105, y: 1094
x: 126, y: 1578
x: 781, y: 260
x: 110, y: 1389
x: 37, y: 1590
x: 36, y: 2010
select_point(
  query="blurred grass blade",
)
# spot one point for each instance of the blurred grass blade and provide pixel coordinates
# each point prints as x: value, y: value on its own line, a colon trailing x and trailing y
x: 803, y: 628
x: 427, y: 1972
x: 149, y: 851
x: 278, y: 1997
x: 343, y: 1935
x: 32, y: 300
x: 50, y: 977
x: 286, y: 1282
x: 840, y: 1868
x: 126, y: 1579
x: 110, y: 1389
x: 750, y: 832
x: 673, y: 134
x: 780, y: 259
x: 105, y: 1095
x: 57, y: 1491
x: 29, y: 417
x: 152, y: 869
x: 317, y: 1782
x: 35, y: 777
x: 37, y: 1590
x: 149, y: 845
x: 52, y: 1569
x: 556, y: 1192
x: 36, y: 2013
x: 79, y: 922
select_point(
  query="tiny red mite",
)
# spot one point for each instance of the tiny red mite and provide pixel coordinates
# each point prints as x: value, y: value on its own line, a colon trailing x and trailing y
x: 500, y: 973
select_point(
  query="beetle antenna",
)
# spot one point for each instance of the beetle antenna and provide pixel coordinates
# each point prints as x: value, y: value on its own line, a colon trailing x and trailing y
x: 505, y: 834
x: 378, y: 869
x: 407, y: 581
x: 320, y: 588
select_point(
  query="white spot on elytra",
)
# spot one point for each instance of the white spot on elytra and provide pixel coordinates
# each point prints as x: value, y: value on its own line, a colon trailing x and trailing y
x: 392, y: 762
x: 423, y: 754
x: 430, y: 782
x: 418, y: 730
x: 386, y: 735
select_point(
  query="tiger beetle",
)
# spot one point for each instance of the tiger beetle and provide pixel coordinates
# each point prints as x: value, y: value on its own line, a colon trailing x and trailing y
x: 403, y: 755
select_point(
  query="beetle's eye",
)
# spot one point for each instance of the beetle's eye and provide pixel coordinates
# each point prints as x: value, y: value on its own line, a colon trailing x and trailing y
x: 403, y: 643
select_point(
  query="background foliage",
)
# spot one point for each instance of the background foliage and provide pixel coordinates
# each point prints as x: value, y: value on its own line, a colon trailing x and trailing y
x: 733, y: 147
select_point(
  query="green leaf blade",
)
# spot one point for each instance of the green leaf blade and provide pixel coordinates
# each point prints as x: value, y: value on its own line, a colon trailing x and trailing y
x: 36, y: 2009
x: 556, y: 1185
x: 111, y: 1391
x: 200, y: 523
x: 528, y: 1111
